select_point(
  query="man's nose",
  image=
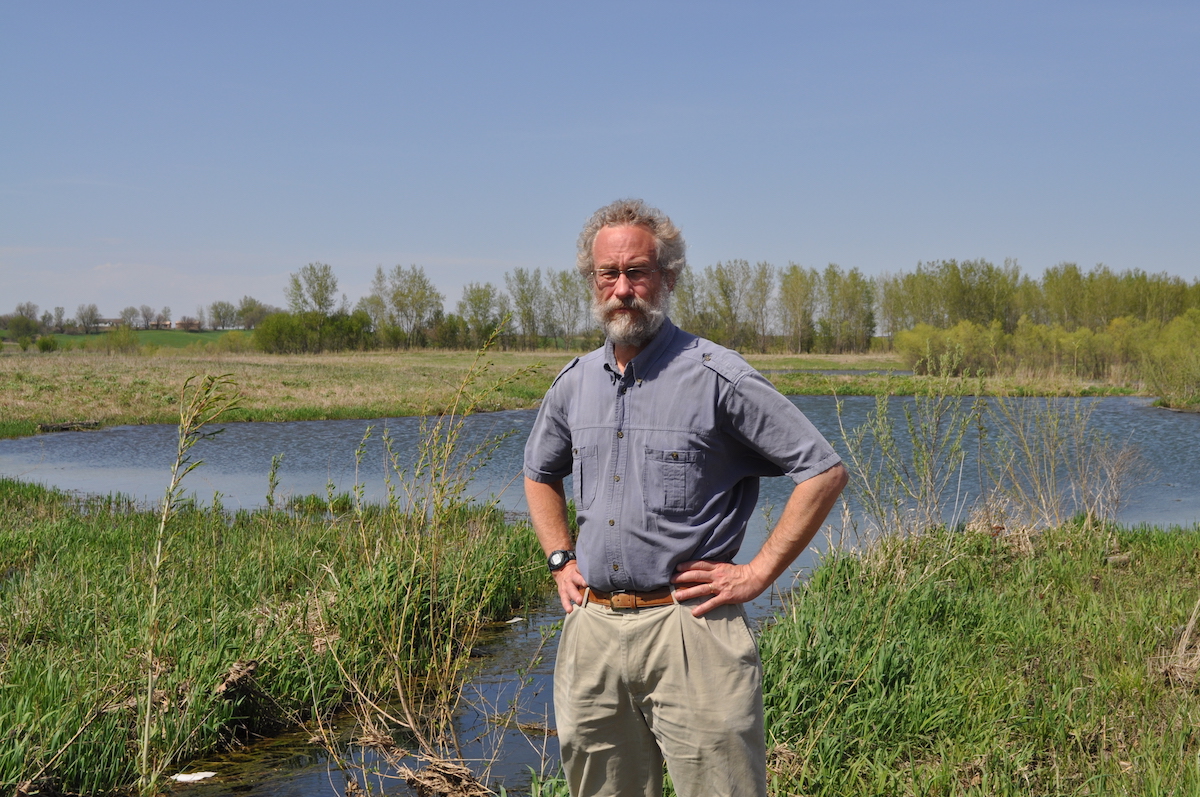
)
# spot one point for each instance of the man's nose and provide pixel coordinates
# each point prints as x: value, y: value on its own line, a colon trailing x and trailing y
x: 622, y: 287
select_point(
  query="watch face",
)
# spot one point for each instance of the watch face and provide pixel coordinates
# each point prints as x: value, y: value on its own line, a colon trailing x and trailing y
x: 559, y: 559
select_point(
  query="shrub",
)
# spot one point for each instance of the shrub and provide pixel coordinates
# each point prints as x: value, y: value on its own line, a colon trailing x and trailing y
x: 24, y: 342
x: 312, y: 332
x: 47, y: 343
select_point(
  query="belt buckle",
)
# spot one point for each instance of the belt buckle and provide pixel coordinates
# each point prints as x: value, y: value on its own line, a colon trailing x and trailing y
x: 622, y: 599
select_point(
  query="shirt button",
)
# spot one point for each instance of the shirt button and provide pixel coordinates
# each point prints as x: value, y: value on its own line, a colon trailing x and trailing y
x: 620, y: 434
x: 611, y: 522
x: 622, y: 390
x: 574, y: 450
x: 674, y: 455
x: 616, y: 566
x: 616, y: 478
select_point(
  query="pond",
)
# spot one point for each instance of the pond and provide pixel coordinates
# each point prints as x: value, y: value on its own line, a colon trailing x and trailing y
x: 321, y: 455
x: 135, y: 460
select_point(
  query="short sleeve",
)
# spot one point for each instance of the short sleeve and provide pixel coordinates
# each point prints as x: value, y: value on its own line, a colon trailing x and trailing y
x: 548, y: 449
x: 767, y: 422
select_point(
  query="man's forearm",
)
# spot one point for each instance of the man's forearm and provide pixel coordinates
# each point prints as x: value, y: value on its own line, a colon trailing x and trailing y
x: 806, y: 509
x: 548, y: 512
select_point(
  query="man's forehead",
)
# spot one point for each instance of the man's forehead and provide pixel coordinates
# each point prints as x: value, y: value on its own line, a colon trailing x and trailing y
x: 625, y: 238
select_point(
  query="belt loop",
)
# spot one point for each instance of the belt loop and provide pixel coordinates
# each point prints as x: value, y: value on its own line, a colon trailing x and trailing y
x: 587, y: 594
x: 676, y: 600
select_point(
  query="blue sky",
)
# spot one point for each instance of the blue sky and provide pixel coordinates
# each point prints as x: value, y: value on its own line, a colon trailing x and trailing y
x: 180, y: 153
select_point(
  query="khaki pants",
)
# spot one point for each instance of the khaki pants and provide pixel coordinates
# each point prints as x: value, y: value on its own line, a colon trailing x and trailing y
x: 635, y: 686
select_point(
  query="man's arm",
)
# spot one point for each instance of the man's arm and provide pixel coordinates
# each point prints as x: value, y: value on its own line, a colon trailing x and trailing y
x: 548, y: 511
x: 722, y: 583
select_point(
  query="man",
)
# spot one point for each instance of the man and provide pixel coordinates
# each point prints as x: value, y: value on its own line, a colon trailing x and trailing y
x: 665, y: 435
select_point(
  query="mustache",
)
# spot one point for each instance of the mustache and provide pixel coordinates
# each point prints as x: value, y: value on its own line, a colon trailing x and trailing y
x: 615, y: 303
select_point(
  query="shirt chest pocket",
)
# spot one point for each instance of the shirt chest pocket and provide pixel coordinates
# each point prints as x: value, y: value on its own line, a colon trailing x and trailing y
x: 670, y: 481
x: 584, y: 476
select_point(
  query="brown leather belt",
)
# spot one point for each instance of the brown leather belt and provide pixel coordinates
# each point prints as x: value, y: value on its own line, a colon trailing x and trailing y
x: 631, y: 600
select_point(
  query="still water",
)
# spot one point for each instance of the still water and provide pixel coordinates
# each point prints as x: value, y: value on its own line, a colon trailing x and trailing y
x: 321, y: 455
x: 135, y: 460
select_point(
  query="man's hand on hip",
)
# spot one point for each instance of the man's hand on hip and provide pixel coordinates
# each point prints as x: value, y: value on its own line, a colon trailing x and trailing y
x: 720, y: 582
x: 570, y: 586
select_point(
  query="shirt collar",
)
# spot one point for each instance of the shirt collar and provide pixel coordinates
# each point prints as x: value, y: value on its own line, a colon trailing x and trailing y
x: 646, y: 357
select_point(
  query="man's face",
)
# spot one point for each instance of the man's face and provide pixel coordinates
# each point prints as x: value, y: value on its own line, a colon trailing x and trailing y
x: 630, y: 313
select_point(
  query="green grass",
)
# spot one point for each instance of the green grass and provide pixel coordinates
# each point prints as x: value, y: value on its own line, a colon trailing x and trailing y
x: 164, y: 338
x: 374, y: 599
x: 962, y: 664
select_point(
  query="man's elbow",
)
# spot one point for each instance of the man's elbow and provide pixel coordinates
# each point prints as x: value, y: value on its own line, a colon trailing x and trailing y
x: 835, y: 480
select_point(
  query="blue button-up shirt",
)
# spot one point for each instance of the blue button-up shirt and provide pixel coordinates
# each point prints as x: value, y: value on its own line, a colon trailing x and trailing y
x: 666, y: 457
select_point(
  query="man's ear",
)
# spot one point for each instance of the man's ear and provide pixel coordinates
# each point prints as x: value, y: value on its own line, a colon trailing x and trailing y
x: 670, y: 280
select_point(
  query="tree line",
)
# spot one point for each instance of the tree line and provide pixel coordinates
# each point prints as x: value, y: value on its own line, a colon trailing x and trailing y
x: 757, y: 307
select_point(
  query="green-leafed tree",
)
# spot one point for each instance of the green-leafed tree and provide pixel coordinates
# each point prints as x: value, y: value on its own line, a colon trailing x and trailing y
x: 759, y: 296
x: 483, y: 307
x: 251, y: 312
x: 847, y: 322
x: 567, y: 302
x: 129, y: 317
x: 799, y: 291
x: 404, y: 299
x: 729, y: 283
x: 313, y: 288
x: 529, y: 303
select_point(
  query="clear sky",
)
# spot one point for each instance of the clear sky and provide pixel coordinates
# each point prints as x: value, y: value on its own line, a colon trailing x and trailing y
x: 179, y: 153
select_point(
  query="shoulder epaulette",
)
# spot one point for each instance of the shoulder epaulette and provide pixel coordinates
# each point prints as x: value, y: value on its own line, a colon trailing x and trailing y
x: 566, y: 368
x: 727, y: 364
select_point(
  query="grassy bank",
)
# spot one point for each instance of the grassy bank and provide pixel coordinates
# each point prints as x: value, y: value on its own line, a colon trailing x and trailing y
x: 963, y: 663
x: 967, y: 664
x: 64, y: 387
x: 265, y: 619
x: 118, y: 389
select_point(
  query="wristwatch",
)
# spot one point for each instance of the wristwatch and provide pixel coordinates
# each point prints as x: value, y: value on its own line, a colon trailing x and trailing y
x: 558, y: 560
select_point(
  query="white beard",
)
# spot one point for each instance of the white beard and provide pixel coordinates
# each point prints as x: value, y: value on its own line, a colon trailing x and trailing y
x: 632, y: 329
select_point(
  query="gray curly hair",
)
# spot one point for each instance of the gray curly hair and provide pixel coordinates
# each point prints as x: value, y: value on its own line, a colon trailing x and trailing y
x: 671, y: 250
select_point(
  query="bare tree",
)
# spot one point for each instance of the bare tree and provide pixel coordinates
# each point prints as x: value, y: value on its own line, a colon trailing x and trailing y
x: 28, y: 310
x: 312, y: 288
x: 222, y: 315
x: 147, y: 313
x: 59, y: 319
x: 163, y: 319
x: 201, y: 318
x: 88, y: 318
x: 129, y: 316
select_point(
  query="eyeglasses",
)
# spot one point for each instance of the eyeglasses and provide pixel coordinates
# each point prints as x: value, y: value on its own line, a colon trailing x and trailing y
x: 638, y: 275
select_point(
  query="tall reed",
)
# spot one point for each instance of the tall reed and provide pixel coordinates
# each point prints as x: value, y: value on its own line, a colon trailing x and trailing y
x: 199, y: 407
